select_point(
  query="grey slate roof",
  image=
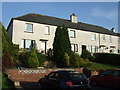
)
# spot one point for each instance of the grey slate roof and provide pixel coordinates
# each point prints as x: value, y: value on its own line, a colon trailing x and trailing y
x: 37, y: 18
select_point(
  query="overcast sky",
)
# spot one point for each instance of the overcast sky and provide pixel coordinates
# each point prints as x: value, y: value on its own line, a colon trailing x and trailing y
x: 104, y: 14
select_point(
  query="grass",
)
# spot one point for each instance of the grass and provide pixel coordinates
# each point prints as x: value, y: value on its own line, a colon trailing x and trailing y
x: 97, y: 66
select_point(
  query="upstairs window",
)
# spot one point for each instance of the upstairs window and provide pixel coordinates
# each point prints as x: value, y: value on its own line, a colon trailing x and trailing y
x: 110, y: 39
x: 25, y: 43
x: 93, y: 36
x: 72, y: 34
x: 103, y: 37
x: 47, y: 30
x: 29, y: 27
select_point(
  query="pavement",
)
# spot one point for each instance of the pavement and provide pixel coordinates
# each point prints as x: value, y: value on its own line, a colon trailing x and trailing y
x: 35, y: 86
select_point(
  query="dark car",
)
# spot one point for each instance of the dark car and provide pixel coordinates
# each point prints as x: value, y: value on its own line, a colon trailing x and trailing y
x: 64, y: 79
x: 110, y: 78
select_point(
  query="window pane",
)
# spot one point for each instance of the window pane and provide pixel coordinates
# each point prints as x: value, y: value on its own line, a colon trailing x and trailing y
x: 29, y: 27
x: 104, y: 37
x: 43, y: 46
x: 110, y: 39
x: 47, y: 30
x: 22, y: 44
x: 27, y: 43
x: 72, y: 47
x: 93, y: 36
x: 72, y: 33
x: 76, y: 48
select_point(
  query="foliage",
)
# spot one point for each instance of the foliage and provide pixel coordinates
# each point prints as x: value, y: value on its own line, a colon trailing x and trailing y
x: 8, y: 52
x: 107, y: 58
x: 61, y: 46
x: 86, y: 54
x: 67, y: 59
x: 7, y: 46
x: 41, y: 58
x: 7, y: 83
x: 23, y: 57
x: 32, y: 59
x: 7, y: 61
x: 50, y: 54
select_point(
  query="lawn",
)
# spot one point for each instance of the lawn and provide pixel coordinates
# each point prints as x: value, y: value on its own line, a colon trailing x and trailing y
x: 97, y: 66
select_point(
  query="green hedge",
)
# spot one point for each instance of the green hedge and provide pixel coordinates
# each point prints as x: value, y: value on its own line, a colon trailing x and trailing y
x: 107, y: 58
x: 7, y: 84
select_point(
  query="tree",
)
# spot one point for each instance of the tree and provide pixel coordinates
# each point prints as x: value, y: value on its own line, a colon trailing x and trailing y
x: 32, y: 60
x: 7, y: 48
x: 61, y: 46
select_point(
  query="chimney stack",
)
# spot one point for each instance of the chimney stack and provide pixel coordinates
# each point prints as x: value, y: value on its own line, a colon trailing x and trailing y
x: 113, y: 29
x: 73, y: 18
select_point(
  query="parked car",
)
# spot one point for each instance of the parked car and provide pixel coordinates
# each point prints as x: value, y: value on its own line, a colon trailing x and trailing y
x: 65, y: 79
x: 109, y: 78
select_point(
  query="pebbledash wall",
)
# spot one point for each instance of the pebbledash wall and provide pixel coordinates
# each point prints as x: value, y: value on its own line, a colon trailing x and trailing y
x: 83, y: 39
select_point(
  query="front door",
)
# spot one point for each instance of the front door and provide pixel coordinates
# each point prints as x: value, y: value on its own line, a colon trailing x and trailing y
x: 43, y: 47
x: 83, y: 47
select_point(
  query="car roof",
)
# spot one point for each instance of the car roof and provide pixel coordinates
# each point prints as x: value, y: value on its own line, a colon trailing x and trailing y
x: 67, y: 72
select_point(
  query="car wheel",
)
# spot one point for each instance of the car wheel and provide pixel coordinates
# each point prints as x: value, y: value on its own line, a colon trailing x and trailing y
x: 93, y: 83
x: 40, y: 85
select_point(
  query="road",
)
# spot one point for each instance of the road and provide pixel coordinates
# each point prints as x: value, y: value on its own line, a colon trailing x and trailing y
x: 34, y: 85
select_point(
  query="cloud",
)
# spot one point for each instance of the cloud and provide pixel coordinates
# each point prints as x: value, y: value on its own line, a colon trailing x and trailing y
x: 109, y: 14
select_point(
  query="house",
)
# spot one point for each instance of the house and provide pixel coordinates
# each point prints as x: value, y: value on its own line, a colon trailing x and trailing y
x: 39, y: 31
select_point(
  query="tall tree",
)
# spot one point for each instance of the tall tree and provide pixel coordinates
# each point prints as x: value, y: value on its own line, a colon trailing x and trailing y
x: 61, y: 46
x: 7, y: 48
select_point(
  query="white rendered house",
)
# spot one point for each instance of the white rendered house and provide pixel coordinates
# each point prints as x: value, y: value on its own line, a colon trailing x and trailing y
x: 39, y: 31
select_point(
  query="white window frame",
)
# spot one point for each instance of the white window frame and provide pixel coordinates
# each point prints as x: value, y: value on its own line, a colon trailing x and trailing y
x: 110, y: 38
x: 74, y: 47
x: 93, y: 37
x: 27, y: 28
x: 25, y: 44
x: 104, y: 38
x: 72, y: 33
x: 47, y: 30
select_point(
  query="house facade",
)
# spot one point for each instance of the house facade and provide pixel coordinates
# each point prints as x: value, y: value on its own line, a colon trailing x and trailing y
x: 35, y: 30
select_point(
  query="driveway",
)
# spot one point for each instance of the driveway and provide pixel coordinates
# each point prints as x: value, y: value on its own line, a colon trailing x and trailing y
x: 34, y: 85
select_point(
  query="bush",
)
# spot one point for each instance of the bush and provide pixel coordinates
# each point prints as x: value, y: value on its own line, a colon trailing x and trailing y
x: 74, y: 60
x: 107, y: 58
x: 23, y: 57
x: 32, y: 60
x: 86, y: 54
x: 41, y: 59
x: 7, y: 61
x: 7, y: 84
x: 67, y: 60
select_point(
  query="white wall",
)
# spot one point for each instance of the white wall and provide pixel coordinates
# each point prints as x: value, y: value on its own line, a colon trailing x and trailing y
x: 82, y: 37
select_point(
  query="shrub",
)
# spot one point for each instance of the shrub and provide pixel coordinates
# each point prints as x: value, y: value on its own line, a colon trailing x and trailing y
x: 32, y: 60
x: 74, y: 59
x: 7, y: 61
x: 86, y: 54
x: 107, y: 58
x: 23, y: 56
x: 7, y: 84
x: 67, y: 59
x: 41, y: 58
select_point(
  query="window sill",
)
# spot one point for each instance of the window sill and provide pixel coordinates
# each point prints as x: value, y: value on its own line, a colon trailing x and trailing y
x: 27, y: 32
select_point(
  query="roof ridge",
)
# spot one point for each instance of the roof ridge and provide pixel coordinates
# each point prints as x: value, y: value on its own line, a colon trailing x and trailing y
x: 90, y: 27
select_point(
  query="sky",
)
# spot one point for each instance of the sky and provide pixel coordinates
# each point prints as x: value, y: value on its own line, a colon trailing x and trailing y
x: 103, y: 14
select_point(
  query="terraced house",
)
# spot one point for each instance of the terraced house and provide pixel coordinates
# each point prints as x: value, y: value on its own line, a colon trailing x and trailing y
x: 39, y: 31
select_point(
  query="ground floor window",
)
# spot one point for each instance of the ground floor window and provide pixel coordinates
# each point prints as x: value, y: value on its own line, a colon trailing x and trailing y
x: 27, y: 43
x: 74, y: 47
